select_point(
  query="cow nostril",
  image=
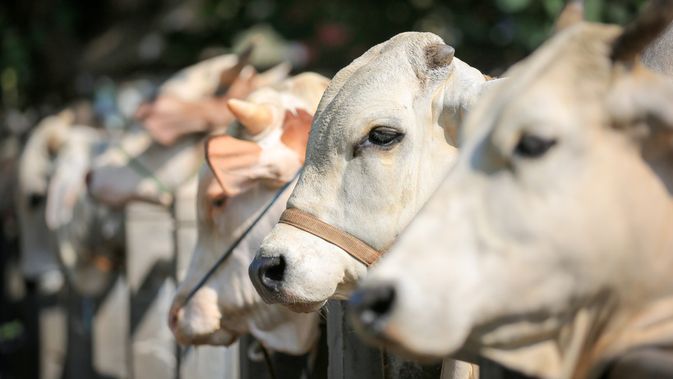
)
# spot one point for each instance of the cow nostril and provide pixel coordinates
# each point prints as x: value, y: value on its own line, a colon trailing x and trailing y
x: 173, y: 319
x: 272, y: 271
x: 276, y: 271
x: 88, y: 179
x: 383, y: 304
x: 35, y: 200
x: 370, y: 306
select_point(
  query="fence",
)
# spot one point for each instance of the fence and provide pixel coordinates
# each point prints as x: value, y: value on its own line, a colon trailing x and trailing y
x: 124, y: 333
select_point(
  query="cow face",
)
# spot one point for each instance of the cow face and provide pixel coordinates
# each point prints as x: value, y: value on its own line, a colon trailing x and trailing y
x: 550, y: 208
x: 382, y: 138
x: 245, y: 175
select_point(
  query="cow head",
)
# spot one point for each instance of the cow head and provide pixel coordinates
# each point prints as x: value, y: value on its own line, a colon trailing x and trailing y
x: 383, y: 136
x: 89, y: 237
x: 554, y: 206
x: 150, y: 166
x: 245, y: 174
x: 36, y: 167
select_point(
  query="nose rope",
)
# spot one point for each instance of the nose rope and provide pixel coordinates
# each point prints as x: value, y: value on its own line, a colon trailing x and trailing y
x: 352, y: 245
x: 238, y: 241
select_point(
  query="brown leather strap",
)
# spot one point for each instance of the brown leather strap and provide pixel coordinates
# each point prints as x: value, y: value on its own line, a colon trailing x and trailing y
x: 354, y: 246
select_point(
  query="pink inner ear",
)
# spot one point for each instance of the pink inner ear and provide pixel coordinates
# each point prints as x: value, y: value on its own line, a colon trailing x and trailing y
x: 296, y: 128
x: 232, y: 161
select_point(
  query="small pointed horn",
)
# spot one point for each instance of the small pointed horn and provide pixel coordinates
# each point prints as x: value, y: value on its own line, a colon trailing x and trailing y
x: 572, y: 13
x: 652, y: 21
x: 254, y: 117
x: 439, y: 55
x: 229, y: 75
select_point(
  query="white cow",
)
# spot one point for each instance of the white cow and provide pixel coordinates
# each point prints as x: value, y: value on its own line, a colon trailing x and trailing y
x: 248, y: 171
x: 150, y: 165
x: 36, y: 166
x: 549, y: 246
x: 89, y: 236
x: 383, y: 137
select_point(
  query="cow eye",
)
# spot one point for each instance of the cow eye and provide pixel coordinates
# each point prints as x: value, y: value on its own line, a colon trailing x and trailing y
x: 35, y: 200
x: 384, y: 136
x: 530, y: 146
x: 219, y: 202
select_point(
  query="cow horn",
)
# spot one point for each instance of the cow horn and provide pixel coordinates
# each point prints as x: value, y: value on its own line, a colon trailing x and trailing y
x: 254, y: 117
x: 439, y: 55
x: 637, y: 35
x: 229, y: 75
x: 572, y: 13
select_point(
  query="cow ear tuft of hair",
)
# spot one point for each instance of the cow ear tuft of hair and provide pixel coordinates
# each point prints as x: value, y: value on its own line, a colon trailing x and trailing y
x: 439, y: 55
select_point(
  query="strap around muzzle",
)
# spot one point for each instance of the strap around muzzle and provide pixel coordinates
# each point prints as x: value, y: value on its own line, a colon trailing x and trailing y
x: 354, y: 246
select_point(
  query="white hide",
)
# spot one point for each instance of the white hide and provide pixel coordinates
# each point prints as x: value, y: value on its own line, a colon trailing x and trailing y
x: 227, y: 305
x: 367, y: 191
x: 537, y: 261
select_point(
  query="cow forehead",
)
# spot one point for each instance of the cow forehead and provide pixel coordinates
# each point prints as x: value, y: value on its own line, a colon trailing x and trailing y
x: 387, y: 71
x: 380, y: 88
x: 561, y: 80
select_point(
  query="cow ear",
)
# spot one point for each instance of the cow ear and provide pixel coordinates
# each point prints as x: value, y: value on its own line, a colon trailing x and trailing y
x: 649, y: 24
x: 229, y: 75
x: 234, y: 162
x: 572, y: 13
x: 272, y: 76
x: 296, y: 128
x: 640, y: 105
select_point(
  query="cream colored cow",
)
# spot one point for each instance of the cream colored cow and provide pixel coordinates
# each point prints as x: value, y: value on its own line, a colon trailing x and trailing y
x: 148, y: 165
x: 89, y: 236
x: 549, y: 246
x: 383, y: 137
x: 246, y: 173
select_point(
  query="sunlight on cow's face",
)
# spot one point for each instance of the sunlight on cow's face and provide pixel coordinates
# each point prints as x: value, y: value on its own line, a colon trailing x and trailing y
x: 549, y: 207
x: 378, y: 147
x: 219, y: 311
x: 244, y: 177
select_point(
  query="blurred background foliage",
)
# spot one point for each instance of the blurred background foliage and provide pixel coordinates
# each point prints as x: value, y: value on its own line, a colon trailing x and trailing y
x: 53, y: 51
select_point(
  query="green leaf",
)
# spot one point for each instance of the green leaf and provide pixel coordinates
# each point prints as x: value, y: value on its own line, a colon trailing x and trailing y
x: 511, y: 6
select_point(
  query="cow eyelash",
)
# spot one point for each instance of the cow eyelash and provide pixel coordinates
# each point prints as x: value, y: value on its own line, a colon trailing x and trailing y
x: 531, y: 146
x: 382, y: 136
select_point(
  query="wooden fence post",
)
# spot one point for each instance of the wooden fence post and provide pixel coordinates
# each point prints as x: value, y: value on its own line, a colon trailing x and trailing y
x: 348, y: 356
x: 150, y: 271
x: 203, y: 362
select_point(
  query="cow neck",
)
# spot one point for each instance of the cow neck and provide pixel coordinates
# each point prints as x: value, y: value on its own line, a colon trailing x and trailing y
x: 596, y: 336
x: 352, y: 245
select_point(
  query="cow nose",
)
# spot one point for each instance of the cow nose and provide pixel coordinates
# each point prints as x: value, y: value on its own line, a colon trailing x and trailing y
x: 370, y: 306
x: 269, y: 271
